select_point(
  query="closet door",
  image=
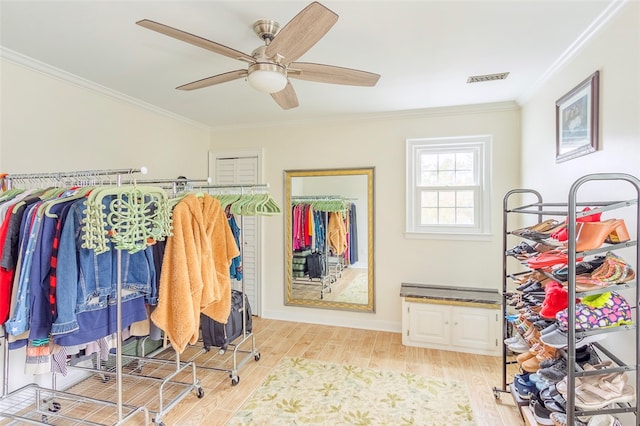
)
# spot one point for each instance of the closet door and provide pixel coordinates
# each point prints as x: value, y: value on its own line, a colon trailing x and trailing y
x: 244, y: 171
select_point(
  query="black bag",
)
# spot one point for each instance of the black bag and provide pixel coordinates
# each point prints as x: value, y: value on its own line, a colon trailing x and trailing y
x: 220, y: 335
x: 315, y: 266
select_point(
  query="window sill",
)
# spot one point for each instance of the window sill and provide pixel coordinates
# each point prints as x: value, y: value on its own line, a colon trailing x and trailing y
x: 447, y: 236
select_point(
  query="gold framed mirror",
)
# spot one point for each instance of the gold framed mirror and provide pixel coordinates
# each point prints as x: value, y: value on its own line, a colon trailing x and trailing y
x: 329, y: 238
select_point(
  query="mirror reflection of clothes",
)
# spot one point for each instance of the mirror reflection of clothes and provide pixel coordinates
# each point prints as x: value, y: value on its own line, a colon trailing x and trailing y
x: 337, y: 233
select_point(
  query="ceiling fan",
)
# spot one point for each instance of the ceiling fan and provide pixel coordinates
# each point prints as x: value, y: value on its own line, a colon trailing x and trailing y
x: 271, y: 65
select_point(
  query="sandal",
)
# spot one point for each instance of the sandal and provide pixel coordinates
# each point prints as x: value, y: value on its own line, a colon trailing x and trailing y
x: 539, y: 227
x: 590, y: 397
x: 612, y: 271
x: 549, y: 258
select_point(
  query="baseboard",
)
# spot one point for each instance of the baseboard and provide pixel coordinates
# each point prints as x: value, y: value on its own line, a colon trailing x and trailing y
x: 323, y: 317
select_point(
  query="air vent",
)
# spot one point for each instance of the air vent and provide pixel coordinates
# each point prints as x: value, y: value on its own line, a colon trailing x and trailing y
x: 487, y: 77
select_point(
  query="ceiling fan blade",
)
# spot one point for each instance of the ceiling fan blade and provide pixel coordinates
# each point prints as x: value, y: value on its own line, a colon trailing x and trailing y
x: 195, y: 40
x: 286, y: 98
x: 216, y: 79
x: 331, y: 74
x: 302, y: 32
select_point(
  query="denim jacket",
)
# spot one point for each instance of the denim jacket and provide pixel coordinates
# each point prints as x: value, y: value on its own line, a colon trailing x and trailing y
x: 87, y: 281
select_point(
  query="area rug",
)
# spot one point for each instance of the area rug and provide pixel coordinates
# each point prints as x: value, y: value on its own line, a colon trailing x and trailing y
x: 356, y: 292
x: 302, y: 391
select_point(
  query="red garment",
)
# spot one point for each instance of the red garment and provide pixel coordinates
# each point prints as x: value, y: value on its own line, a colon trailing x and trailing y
x: 6, y: 276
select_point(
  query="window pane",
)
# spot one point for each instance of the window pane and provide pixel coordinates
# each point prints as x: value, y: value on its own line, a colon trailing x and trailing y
x: 464, y: 161
x: 447, y: 216
x: 464, y: 216
x: 446, y: 178
x: 464, y: 199
x: 447, y: 162
x: 447, y: 199
x: 428, y: 162
x: 429, y: 199
x: 464, y: 177
x: 428, y: 216
x: 428, y: 178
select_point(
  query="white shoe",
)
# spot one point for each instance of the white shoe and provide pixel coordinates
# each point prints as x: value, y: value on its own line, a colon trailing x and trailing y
x: 513, y: 339
x: 519, y: 347
x: 604, y: 420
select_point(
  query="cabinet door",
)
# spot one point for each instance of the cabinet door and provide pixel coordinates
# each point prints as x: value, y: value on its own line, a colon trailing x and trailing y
x: 474, y: 328
x: 429, y: 323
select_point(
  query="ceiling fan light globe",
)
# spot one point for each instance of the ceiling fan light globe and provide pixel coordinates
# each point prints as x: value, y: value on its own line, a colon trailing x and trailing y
x: 267, y: 78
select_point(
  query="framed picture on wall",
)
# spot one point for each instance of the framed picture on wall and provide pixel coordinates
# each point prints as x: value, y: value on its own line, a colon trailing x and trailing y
x: 577, y: 120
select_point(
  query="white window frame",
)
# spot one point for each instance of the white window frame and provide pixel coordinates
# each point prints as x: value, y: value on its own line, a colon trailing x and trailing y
x: 480, y: 145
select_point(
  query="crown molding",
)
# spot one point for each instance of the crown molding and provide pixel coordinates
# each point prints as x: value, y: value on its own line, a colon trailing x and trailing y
x: 571, y: 52
x: 51, y: 71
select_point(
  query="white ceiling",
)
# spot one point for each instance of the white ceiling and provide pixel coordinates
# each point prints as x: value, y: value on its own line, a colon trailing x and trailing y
x: 423, y: 50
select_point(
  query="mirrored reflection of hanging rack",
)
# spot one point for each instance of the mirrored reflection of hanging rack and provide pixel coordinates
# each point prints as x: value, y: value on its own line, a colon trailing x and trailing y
x: 36, y: 405
x: 325, y: 203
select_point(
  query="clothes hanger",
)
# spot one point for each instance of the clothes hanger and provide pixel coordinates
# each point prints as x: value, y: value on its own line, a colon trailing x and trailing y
x: 123, y: 226
x: 77, y: 195
x: 10, y: 194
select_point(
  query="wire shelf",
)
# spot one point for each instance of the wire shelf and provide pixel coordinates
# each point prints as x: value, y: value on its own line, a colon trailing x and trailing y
x: 36, y: 405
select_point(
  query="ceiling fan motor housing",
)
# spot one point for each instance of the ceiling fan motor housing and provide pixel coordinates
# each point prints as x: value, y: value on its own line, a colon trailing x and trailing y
x: 266, y: 29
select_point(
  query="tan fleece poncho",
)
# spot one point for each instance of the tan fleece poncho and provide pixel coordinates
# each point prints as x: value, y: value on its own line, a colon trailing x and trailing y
x: 337, y: 233
x: 195, y: 270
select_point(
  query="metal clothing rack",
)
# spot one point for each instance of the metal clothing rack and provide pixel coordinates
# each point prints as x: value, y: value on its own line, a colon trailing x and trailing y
x: 176, y: 185
x: 33, y: 404
x: 247, y: 336
x: 326, y: 204
x: 14, y: 405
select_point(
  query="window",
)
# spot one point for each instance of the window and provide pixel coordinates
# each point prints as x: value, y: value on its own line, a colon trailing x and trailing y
x: 448, y: 186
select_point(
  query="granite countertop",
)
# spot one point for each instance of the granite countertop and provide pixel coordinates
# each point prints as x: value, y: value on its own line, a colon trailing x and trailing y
x: 461, y: 294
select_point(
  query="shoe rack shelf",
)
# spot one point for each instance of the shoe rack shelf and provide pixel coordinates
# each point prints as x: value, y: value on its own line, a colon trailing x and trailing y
x: 570, y: 211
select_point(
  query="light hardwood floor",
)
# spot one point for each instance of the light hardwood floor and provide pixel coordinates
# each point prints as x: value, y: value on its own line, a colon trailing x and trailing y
x: 375, y: 349
x: 278, y: 339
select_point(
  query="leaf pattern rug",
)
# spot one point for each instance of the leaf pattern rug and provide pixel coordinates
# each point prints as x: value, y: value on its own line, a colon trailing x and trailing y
x: 300, y: 391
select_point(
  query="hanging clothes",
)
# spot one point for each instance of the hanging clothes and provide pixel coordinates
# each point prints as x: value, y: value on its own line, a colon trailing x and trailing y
x: 337, y: 233
x: 195, y: 272
x: 353, y: 235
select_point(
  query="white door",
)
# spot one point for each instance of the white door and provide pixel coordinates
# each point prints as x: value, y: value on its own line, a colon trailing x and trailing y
x: 244, y: 170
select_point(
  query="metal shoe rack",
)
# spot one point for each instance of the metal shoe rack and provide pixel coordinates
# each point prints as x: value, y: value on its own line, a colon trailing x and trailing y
x: 570, y: 210
x: 134, y: 379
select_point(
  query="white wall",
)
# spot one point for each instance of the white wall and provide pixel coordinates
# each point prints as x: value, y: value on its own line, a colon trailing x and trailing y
x: 380, y: 142
x: 51, y: 124
x: 615, y: 51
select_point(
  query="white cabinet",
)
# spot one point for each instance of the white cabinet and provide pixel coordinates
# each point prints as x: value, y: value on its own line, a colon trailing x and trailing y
x: 460, y: 327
